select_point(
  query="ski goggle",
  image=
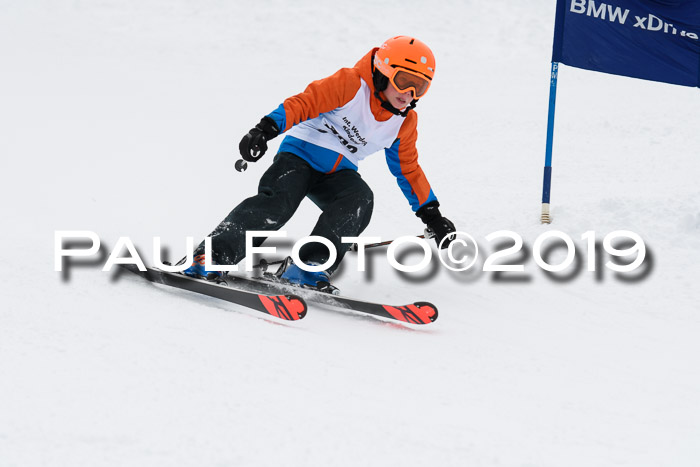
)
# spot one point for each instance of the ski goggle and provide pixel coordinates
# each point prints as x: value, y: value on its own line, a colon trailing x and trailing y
x: 406, y: 80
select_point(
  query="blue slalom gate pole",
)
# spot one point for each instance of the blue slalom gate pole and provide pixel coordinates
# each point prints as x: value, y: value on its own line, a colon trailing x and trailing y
x: 547, y: 184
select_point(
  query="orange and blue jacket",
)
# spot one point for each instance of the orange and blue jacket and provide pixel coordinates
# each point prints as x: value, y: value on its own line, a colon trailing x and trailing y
x: 338, y: 121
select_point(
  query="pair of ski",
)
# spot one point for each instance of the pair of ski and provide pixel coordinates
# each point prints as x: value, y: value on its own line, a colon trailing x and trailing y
x: 284, y: 301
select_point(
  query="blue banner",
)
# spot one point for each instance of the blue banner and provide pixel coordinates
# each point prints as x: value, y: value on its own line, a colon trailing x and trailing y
x: 658, y: 40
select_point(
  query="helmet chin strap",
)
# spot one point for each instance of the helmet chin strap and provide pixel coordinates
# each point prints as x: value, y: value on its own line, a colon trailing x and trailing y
x: 392, y: 109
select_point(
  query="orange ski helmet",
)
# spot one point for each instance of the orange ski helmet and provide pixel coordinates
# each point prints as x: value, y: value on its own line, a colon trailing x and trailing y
x: 408, y: 63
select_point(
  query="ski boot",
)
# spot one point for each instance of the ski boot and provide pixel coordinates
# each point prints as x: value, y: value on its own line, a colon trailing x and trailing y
x: 296, y: 276
x: 198, y: 271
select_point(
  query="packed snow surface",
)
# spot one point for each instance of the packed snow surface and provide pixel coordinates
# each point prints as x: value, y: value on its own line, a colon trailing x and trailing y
x: 123, y: 118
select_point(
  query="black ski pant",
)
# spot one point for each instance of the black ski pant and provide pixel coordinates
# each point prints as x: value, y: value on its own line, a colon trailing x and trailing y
x: 345, y: 200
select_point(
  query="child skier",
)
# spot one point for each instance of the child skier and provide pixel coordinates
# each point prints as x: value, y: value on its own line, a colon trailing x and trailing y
x: 336, y: 122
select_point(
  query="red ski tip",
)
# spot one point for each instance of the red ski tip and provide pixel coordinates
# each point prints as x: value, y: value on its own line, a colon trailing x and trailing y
x: 429, y: 309
x: 289, y: 307
x: 418, y: 313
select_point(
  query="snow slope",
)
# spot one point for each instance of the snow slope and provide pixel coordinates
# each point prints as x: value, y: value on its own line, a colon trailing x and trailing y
x: 123, y: 117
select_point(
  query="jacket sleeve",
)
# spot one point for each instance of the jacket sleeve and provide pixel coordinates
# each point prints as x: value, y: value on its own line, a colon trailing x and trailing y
x: 320, y: 96
x: 402, y: 159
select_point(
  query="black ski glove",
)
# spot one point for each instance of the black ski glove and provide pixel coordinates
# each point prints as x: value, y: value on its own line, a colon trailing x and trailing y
x: 440, y: 226
x: 254, y: 143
